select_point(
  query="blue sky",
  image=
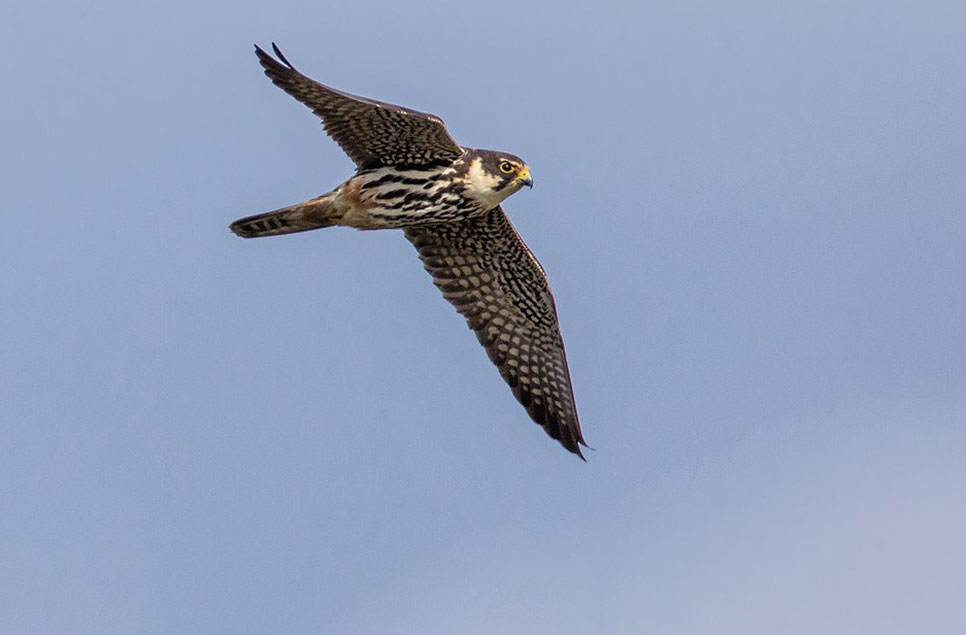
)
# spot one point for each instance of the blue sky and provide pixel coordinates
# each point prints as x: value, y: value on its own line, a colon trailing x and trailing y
x: 752, y: 218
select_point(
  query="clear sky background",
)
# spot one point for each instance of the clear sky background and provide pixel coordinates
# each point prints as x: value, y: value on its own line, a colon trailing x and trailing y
x: 752, y: 214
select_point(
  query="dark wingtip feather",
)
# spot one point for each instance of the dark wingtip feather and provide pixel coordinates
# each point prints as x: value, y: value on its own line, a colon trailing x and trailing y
x: 270, y: 64
x: 262, y: 55
x: 569, y: 437
x: 281, y: 56
x: 266, y: 60
x: 575, y: 448
x: 239, y: 230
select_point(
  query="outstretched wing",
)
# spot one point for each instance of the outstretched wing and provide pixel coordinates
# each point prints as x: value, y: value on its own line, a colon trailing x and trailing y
x: 373, y: 134
x: 485, y: 270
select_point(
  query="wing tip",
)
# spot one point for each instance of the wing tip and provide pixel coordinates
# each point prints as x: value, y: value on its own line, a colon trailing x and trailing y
x: 269, y: 62
x: 575, y: 446
x: 281, y: 56
x: 566, y: 433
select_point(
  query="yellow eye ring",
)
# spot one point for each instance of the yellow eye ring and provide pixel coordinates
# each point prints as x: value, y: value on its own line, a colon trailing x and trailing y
x: 506, y: 167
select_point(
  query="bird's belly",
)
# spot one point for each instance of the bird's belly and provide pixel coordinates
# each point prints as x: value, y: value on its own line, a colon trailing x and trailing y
x: 389, y: 199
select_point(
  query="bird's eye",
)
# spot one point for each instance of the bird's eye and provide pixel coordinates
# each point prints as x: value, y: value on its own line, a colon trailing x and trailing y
x: 506, y: 167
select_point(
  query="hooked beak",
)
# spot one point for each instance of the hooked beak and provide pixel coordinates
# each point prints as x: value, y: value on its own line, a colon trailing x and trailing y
x: 525, y: 179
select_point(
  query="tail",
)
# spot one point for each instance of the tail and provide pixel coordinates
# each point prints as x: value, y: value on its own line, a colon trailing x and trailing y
x: 313, y: 214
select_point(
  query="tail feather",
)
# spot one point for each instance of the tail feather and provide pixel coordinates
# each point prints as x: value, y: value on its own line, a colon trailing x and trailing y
x: 313, y: 214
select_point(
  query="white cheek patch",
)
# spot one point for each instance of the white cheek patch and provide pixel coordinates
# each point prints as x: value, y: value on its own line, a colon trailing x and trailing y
x: 480, y: 181
x: 482, y: 185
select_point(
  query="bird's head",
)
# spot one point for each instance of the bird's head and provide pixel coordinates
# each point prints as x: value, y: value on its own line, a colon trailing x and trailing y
x: 493, y: 176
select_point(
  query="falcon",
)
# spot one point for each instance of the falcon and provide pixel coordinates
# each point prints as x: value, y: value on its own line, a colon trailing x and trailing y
x: 412, y: 175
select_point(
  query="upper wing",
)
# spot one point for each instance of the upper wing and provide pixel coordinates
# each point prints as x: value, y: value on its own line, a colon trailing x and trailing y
x: 486, y: 271
x: 372, y: 133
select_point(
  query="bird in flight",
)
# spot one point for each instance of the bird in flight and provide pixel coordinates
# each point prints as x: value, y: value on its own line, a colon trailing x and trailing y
x: 412, y: 175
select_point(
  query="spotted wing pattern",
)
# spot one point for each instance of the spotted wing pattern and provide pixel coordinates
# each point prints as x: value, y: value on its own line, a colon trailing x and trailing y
x: 373, y: 134
x: 485, y: 270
